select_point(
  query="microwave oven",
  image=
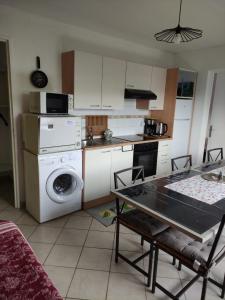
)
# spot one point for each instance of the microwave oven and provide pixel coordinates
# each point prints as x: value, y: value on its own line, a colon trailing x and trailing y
x: 51, y: 103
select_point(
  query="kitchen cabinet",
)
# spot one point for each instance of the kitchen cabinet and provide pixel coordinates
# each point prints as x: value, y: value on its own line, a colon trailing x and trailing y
x: 164, y: 158
x: 100, y: 166
x: 97, y: 181
x: 87, y: 80
x: 158, y: 85
x: 122, y: 158
x: 138, y: 76
x: 113, y: 83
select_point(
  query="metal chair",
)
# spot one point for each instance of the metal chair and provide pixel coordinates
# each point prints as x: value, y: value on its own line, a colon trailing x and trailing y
x: 141, y: 223
x: 198, y: 257
x: 219, y: 154
x: 187, y: 163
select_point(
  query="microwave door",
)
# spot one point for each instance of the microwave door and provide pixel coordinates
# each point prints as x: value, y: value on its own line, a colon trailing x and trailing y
x: 56, y: 131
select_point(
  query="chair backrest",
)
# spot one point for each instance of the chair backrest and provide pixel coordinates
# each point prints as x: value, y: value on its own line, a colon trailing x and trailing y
x: 215, y: 154
x: 216, y: 255
x: 185, y: 159
x: 118, y: 175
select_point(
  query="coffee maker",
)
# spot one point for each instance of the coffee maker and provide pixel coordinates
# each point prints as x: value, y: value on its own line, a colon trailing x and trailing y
x: 155, y: 128
x: 150, y: 127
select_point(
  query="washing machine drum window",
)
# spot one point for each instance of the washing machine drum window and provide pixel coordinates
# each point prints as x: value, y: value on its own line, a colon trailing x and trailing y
x: 63, y: 184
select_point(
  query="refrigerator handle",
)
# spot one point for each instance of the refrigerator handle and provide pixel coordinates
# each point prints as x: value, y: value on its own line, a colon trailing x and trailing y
x: 210, y: 131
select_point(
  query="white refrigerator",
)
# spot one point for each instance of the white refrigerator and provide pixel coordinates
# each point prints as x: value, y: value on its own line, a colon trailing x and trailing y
x: 182, y: 127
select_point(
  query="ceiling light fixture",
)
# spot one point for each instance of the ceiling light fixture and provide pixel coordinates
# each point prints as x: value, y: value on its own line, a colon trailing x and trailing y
x: 178, y: 34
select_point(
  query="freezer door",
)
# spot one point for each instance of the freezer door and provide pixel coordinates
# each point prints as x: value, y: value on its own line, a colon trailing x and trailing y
x: 183, y: 109
x: 181, y: 134
x: 58, y: 131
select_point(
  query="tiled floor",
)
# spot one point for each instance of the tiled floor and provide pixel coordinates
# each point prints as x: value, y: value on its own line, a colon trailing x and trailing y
x: 77, y: 253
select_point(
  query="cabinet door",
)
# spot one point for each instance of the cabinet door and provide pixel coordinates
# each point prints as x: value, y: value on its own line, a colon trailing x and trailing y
x: 97, y: 174
x: 122, y: 158
x: 113, y: 83
x: 138, y: 76
x: 158, y: 85
x: 87, y: 80
x: 164, y: 158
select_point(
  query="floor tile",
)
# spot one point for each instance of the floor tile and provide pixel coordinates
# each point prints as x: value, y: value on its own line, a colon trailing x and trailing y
x: 44, y: 234
x: 78, y: 222
x: 59, y: 222
x: 27, y: 230
x: 100, y: 239
x: 3, y: 204
x: 73, y: 237
x: 41, y: 250
x: 173, y: 285
x: 212, y: 293
x: 63, y: 256
x: 89, y: 284
x: 185, y: 273
x: 61, y: 277
x: 27, y: 219
x: 125, y: 287
x: 96, y: 225
x: 95, y: 259
x: 11, y: 214
x: 165, y: 267
x: 82, y: 213
x: 122, y: 266
x: 130, y: 242
x: 124, y: 229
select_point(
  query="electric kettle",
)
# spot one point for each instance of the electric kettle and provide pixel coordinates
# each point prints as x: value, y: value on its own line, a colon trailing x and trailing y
x: 161, y: 128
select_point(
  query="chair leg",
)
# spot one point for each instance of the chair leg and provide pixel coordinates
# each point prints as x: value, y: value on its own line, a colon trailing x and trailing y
x: 179, y: 266
x: 150, y: 264
x: 117, y: 240
x: 142, y: 241
x: 155, y: 270
x: 223, y: 288
x: 174, y: 261
x: 204, y: 287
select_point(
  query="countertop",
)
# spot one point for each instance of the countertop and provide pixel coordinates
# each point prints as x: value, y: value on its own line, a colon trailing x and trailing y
x: 118, y: 142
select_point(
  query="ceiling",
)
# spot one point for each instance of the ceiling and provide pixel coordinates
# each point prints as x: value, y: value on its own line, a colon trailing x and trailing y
x: 136, y: 20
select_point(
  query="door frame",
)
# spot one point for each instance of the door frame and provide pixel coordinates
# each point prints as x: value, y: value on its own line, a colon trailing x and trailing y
x: 8, y: 42
x: 209, y: 98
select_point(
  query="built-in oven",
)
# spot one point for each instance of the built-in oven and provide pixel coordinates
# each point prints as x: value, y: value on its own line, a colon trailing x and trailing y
x: 146, y: 155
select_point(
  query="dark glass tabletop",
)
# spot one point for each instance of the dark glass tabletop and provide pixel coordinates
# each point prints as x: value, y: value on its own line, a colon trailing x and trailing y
x: 194, y: 217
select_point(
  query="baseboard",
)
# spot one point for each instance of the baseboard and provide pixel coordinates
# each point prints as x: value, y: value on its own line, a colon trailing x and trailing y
x: 98, y: 201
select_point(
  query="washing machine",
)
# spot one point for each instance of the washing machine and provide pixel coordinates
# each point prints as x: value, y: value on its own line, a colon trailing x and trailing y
x: 53, y: 184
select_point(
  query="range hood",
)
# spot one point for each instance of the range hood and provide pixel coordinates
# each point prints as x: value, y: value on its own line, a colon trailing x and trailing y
x: 139, y: 94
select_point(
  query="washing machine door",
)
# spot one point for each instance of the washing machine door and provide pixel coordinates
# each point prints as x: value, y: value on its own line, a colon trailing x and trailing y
x: 63, y: 184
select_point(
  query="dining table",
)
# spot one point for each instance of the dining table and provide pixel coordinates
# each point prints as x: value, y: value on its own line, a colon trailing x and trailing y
x: 186, y: 200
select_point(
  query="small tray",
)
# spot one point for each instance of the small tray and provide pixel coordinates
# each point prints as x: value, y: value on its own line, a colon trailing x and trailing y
x: 213, y: 177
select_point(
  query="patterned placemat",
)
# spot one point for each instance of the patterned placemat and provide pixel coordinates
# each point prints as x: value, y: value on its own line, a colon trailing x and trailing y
x: 200, y: 189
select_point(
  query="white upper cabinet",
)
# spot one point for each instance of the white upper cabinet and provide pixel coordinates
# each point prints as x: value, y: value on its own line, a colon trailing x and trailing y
x: 158, y: 85
x: 138, y: 76
x: 113, y: 83
x: 87, y: 80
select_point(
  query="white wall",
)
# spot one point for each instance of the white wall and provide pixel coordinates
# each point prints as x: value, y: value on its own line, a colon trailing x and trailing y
x: 30, y: 36
x: 202, y: 61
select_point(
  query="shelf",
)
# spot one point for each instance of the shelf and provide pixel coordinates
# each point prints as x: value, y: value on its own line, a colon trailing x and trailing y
x: 186, y: 98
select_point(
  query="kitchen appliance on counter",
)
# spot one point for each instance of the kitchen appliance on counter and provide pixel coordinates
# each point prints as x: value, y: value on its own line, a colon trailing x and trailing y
x: 47, y: 134
x: 155, y: 128
x: 51, y: 103
x: 161, y: 128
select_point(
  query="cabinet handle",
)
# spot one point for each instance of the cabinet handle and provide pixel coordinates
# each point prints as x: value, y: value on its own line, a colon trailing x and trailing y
x: 130, y: 85
x: 94, y: 105
x: 107, y: 105
x: 106, y: 151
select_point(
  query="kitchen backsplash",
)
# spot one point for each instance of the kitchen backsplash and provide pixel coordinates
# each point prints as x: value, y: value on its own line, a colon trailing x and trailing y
x: 121, y: 125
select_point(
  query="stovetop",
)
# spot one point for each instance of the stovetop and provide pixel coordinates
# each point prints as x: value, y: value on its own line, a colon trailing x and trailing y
x: 140, y: 137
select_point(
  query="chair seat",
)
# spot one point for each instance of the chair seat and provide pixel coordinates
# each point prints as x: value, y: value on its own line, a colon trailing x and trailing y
x: 188, y: 247
x: 142, y: 222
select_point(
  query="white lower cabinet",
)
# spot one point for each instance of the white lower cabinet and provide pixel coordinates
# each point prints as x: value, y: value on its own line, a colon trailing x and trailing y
x: 97, y: 180
x: 100, y: 166
x: 164, y: 158
x: 122, y: 158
